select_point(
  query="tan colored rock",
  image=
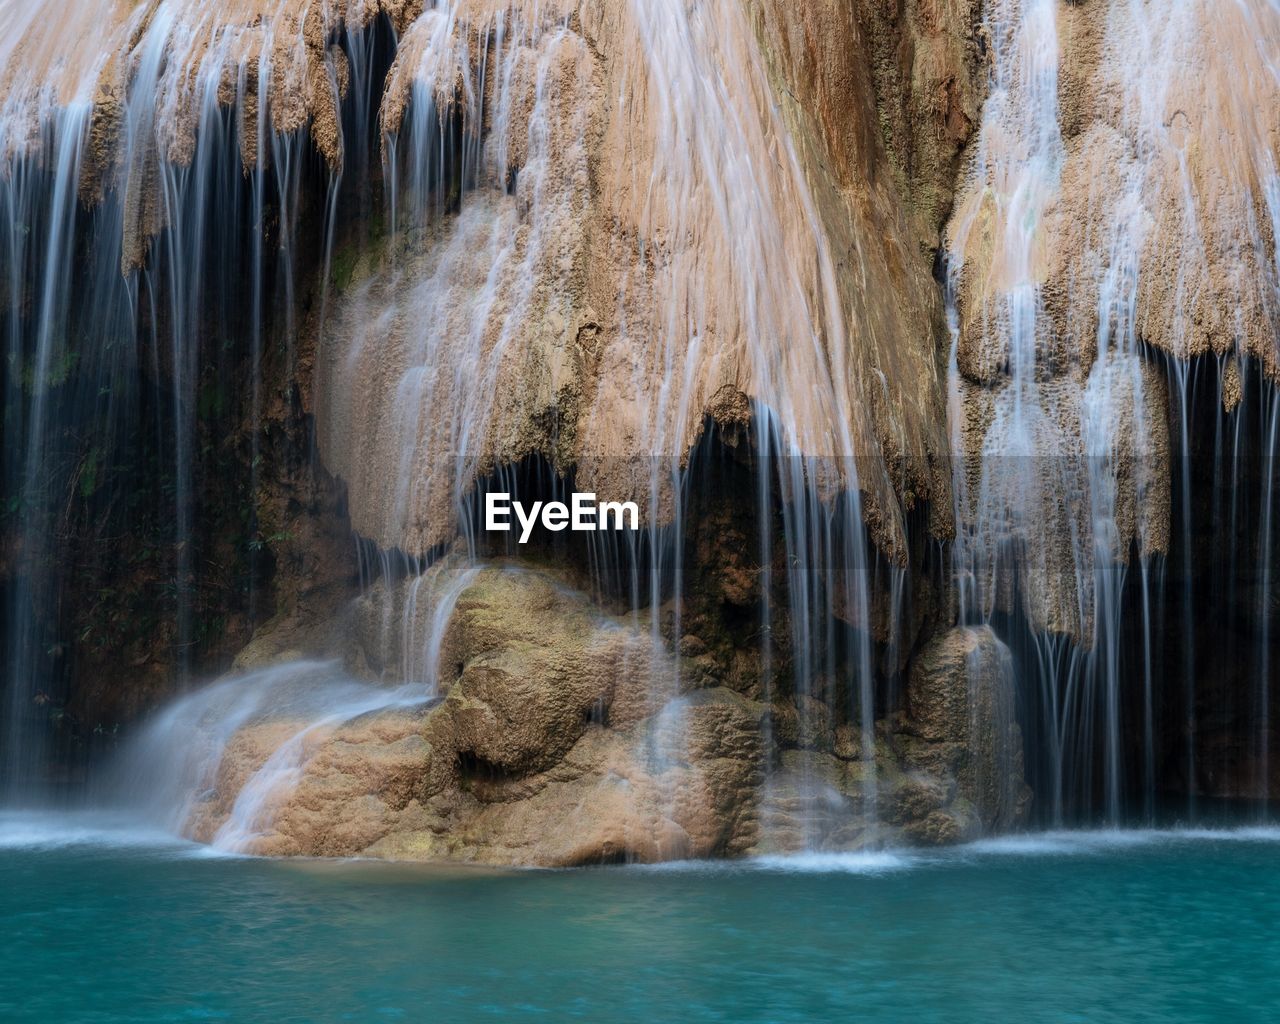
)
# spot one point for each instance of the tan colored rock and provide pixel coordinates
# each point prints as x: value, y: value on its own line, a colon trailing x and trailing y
x: 667, y: 168
x: 1034, y: 490
x: 562, y: 737
x: 1111, y: 204
x: 949, y: 770
x: 817, y: 801
x: 961, y: 704
x: 928, y: 69
x: 387, y: 792
x: 557, y: 742
x: 617, y: 249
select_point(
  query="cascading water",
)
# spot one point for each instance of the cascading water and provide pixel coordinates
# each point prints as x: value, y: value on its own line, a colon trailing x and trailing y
x: 179, y: 767
x: 103, y: 367
x: 436, y: 354
x: 192, y: 147
x: 1079, y: 250
x: 532, y: 246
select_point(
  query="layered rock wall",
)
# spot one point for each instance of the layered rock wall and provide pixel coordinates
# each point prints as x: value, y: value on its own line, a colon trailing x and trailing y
x: 1119, y: 203
x: 675, y: 214
x: 640, y: 172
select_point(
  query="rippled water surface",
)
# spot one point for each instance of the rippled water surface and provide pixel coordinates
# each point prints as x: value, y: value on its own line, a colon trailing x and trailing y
x: 101, y: 922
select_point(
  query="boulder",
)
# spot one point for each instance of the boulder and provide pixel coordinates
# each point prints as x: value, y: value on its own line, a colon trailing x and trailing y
x: 552, y: 734
x: 961, y: 718
x: 562, y: 738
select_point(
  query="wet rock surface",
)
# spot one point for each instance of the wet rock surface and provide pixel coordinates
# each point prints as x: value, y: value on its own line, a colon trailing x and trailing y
x: 555, y: 742
x: 1114, y: 212
x: 961, y: 713
x: 595, y: 287
x: 562, y: 736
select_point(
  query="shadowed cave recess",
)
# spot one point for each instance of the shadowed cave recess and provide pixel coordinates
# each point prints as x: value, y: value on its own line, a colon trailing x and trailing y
x: 936, y: 346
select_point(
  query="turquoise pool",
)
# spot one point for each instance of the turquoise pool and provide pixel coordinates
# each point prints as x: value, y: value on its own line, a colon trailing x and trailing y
x: 105, y: 923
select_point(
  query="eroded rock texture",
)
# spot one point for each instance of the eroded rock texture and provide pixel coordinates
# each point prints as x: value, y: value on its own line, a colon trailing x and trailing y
x: 1154, y: 215
x: 562, y: 736
x: 1115, y: 205
x: 673, y: 212
x: 672, y: 215
x: 597, y: 226
x: 961, y: 705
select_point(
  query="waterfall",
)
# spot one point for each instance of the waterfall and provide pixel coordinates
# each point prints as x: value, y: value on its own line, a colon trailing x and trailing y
x: 142, y: 165
x: 185, y: 135
x: 289, y: 288
x: 440, y: 357
x: 178, y: 769
x: 1080, y: 251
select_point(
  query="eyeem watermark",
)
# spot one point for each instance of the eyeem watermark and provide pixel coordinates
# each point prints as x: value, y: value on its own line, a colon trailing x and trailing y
x: 582, y: 515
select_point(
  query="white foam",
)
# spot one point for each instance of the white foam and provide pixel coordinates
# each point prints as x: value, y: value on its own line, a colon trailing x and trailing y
x: 866, y: 862
x: 42, y: 830
x: 57, y: 830
x: 1243, y: 834
x: 30, y: 829
x: 1069, y: 843
x: 1061, y: 843
x: 1057, y: 843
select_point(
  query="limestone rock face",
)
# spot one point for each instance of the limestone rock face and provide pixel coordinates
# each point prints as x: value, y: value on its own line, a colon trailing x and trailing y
x: 669, y: 214
x: 928, y: 66
x: 961, y: 712
x: 561, y: 737
x: 1153, y: 205
x: 537, y: 667
x: 913, y: 792
x: 1064, y: 479
x: 619, y: 271
x: 1111, y: 206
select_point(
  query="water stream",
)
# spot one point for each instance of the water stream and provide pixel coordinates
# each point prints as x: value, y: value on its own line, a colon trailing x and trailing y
x: 1083, y: 461
x: 422, y: 220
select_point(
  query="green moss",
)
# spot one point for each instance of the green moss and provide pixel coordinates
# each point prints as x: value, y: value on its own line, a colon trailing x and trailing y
x: 351, y: 260
x: 342, y: 268
x: 212, y: 400
x: 61, y: 365
x: 89, y: 478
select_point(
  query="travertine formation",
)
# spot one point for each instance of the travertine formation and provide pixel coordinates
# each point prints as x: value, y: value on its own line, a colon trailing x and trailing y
x: 604, y: 222
x: 674, y: 213
x: 562, y: 736
x: 600, y: 223
x: 124, y: 86
x: 1122, y: 194
x: 961, y: 707
x: 1158, y: 213
x: 677, y: 213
